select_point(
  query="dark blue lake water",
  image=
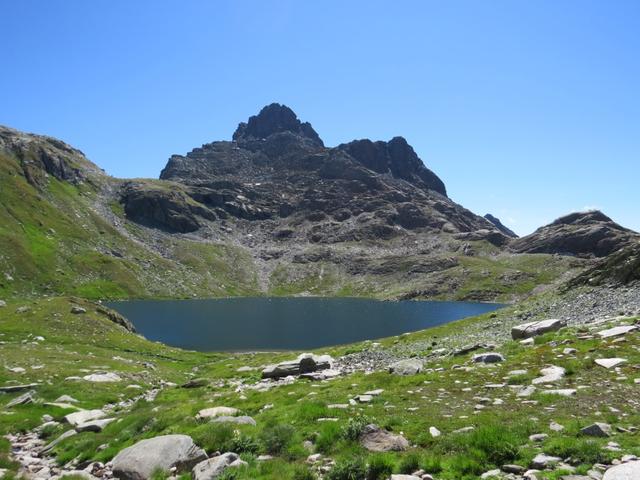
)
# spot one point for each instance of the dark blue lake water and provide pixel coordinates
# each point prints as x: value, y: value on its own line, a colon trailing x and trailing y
x: 241, y: 324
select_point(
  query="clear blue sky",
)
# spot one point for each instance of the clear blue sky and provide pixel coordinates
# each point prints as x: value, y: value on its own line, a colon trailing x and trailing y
x: 526, y: 109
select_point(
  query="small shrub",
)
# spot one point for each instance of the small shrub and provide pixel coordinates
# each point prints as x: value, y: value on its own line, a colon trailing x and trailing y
x: 410, y: 463
x: 276, y: 438
x: 581, y: 449
x: 354, y: 427
x: 244, y: 444
x: 303, y: 473
x: 349, y: 469
x: 379, y: 467
x: 215, y: 437
x: 431, y: 464
x: 329, y: 435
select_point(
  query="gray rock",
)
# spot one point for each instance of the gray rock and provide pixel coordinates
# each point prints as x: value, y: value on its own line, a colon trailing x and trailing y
x: 616, y: 331
x: 610, y: 362
x: 217, y: 412
x: 410, y: 366
x: 47, y: 448
x: 241, y: 420
x: 549, y: 375
x: 94, y: 425
x: 399, y: 476
x: 305, y: 363
x: 533, y: 329
x: 375, y: 439
x: 490, y: 357
x: 102, y: 377
x: 597, y: 429
x: 139, y: 461
x: 626, y: 471
x: 23, y: 399
x: 542, y: 461
x: 78, y: 310
x: 3, y: 304
x: 83, y: 416
x: 213, y: 467
x: 17, y: 388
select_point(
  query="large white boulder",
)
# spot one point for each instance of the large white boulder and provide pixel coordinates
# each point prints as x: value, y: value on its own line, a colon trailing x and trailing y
x: 626, y: 471
x: 533, y: 329
x: 305, y: 363
x: 139, y: 461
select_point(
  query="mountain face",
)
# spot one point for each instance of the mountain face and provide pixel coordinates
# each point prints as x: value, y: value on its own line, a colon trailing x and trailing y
x: 273, y: 211
x: 276, y: 176
x: 585, y: 234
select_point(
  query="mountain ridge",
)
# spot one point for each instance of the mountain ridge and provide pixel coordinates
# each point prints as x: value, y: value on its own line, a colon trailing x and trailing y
x: 280, y: 215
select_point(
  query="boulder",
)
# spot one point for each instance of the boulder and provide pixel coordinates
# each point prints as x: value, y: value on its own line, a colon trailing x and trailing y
x: 626, y: 471
x: 616, y: 331
x: 410, y: 366
x: 23, y: 399
x: 305, y: 363
x: 213, y: 467
x: 533, y: 329
x: 597, y: 429
x: 3, y: 304
x: 542, y: 461
x: 549, y: 375
x: 94, y: 425
x: 83, y: 416
x: 139, y: 461
x: 102, y: 377
x: 78, y: 310
x: 375, y: 439
x: 489, y: 357
x: 241, y: 420
x: 217, y: 412
x: 610, y: 362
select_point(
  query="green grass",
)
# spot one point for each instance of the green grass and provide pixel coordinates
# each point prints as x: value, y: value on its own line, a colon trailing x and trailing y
x: 443, y: 398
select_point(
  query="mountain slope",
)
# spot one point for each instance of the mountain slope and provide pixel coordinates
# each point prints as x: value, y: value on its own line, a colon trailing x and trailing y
x: 279, y: 214
x: 586, y: 234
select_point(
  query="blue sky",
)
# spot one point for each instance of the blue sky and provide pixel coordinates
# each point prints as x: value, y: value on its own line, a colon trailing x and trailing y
x: 527, y: 110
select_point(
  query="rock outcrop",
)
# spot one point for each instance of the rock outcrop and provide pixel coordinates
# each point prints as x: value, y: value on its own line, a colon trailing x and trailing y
x: 584, y: 234
x: 141, y: 460
x: 619, y: 268
x: 376, y: 439
x: 41, y: 156
x: 500, y: 226
x: 305, y: 363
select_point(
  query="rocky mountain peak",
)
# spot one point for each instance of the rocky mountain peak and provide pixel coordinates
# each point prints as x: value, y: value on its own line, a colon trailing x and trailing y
x: 275, y: 118
x: 395, y: 157
x: 584, y: 234
x: 583, y: 218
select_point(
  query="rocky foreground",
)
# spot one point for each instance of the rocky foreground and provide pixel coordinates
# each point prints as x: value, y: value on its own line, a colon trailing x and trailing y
x: 545, y: 390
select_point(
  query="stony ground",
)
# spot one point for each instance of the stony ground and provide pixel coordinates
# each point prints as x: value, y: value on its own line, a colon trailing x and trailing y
x: 551, y: 407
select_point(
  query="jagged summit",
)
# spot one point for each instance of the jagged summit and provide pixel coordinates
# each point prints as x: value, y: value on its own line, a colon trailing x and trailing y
x: 275, y: 118
x: 396, y: 157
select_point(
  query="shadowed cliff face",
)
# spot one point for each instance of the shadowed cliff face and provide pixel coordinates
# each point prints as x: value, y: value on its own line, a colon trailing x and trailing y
x: 587, y: 234
x: 278, y: 170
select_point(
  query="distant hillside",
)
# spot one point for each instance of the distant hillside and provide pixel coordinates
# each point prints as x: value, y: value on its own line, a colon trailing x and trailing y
x: 586, y: 234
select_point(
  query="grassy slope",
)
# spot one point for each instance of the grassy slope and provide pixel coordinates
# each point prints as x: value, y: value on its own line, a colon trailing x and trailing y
x: 446, y: 399
x: 52, y: 242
